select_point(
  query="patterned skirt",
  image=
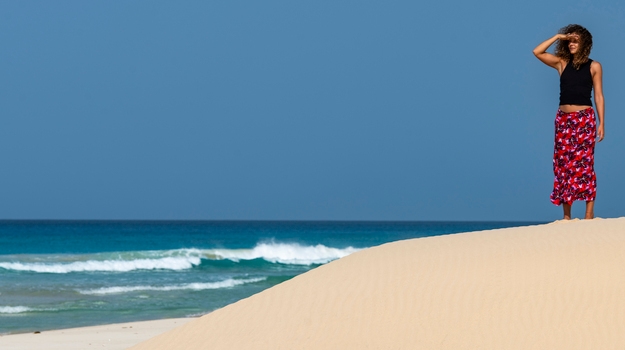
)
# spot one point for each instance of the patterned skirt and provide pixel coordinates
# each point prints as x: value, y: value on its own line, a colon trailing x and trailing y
x: 574, y: 157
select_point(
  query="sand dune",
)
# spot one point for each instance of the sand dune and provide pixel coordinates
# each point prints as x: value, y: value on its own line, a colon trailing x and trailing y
x: 554, y: 286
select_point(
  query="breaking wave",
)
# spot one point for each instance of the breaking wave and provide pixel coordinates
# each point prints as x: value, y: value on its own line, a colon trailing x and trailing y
x: 283, y: 253
x: 178, y: 259
x: 105, y: 265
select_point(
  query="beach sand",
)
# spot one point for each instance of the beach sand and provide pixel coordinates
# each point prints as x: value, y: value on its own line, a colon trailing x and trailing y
x: 553, y: 286
x: 114, y: 336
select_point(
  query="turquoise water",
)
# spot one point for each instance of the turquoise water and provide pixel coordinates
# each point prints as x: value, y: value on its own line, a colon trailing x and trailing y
x: 59, y: 274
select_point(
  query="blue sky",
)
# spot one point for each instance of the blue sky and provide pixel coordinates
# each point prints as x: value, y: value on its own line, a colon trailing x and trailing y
x: 292, y: 110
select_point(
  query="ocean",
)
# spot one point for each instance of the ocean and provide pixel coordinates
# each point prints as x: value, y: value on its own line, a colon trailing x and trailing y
x: 62, y: 274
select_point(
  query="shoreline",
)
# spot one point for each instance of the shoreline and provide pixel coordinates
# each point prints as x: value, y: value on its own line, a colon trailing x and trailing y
x: 549, y: 286
x: 115, y: 336
x: 184, y: 270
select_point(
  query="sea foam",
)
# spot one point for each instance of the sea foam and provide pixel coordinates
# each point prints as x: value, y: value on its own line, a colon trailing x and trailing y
x: 14, y: 309
x: 284, y: 253
x: 188, y: 286
x: 169, y: 263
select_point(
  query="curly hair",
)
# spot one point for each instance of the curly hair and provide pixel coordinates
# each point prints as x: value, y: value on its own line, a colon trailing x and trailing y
x: 585, y: 45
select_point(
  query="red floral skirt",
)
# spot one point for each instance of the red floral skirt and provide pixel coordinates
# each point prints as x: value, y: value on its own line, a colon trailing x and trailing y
x: 574, y: 157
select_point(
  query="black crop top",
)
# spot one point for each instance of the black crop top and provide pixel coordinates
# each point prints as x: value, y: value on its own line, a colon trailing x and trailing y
x: 576, y: 85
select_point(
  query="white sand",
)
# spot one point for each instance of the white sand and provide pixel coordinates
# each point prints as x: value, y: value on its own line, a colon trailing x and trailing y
x: 554, y: 286
x: 115, y: 336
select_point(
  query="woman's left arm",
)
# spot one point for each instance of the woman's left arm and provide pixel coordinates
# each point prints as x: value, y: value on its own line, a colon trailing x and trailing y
x: 597, y: 83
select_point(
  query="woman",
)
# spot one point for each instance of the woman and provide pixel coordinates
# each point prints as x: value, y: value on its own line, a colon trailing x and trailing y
x: 576, y: 128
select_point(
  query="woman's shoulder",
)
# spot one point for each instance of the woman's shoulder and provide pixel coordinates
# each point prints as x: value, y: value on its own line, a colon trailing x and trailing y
x: 595, y: 66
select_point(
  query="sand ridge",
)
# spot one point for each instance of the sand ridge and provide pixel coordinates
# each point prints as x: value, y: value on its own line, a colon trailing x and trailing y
x: 553, y: 286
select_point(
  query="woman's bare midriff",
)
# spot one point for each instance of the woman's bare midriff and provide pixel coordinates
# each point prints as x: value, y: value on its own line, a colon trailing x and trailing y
x: 572, y: 108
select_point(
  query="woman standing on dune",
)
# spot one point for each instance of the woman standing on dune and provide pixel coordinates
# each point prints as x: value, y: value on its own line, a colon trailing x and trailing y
x: 576, y: 128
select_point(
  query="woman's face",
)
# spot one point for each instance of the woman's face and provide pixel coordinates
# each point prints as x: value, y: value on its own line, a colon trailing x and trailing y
x: 574, y: 43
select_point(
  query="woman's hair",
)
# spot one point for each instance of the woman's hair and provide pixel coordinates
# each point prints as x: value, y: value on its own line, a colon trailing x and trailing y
x: 585, y: 45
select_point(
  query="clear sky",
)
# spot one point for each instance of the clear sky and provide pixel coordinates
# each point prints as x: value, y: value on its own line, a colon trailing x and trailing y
x: 293, y: 110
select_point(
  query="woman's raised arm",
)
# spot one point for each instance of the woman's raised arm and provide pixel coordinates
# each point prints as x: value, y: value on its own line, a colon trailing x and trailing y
x: 551, y: 60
